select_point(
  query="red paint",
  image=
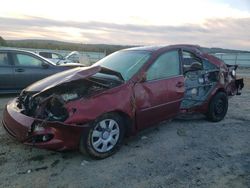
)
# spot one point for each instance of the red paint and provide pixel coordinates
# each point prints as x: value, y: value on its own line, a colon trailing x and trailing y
x: 144, y: 103
x: 158, y: 100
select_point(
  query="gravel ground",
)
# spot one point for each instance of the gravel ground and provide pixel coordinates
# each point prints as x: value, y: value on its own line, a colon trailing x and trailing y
x: 185, y: 152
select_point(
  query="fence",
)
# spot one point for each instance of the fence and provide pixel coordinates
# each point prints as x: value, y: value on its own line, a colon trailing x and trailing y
x: 242, y: 59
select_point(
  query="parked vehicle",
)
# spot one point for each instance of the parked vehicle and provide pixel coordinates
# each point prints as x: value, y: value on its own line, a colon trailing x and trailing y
x: 52, y: 56
x: 19, y: 68
x: 93, y: 108
x: 76, y: 57
x: 72, y: 57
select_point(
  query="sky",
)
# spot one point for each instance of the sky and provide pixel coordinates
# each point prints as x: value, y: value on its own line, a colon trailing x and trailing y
x: 210, y: 23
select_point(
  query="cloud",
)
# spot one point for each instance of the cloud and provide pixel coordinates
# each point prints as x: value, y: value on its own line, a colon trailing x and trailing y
x: 227, y: 33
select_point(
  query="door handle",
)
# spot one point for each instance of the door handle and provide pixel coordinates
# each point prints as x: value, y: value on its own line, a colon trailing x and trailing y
x: 180, y: 84
x: 19, y: 70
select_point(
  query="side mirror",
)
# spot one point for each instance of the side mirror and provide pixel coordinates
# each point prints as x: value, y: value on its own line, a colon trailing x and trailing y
x: 45, y: 65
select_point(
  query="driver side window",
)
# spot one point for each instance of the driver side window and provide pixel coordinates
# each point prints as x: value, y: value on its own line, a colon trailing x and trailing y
x: 27, y: 61
x: 165, y: 66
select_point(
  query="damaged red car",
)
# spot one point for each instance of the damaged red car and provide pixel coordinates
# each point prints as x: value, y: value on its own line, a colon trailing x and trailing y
x: 93, y: 108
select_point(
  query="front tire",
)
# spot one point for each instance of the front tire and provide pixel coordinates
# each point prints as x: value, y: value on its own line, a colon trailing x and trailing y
x: 104, y: 137
x: 218, y: 107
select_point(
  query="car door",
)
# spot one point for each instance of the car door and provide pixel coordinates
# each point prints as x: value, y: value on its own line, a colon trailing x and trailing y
x: 7, y: 81
x: 28, y: 68
x: 56, y: 57
x: 160, y: 96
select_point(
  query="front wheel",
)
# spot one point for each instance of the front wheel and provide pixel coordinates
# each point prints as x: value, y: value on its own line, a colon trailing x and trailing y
x: 218, y: 107
x: 104, y: 137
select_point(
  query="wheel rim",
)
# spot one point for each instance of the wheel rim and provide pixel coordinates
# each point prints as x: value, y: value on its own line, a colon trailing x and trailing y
x: 105, y: 135
x: 219, y: 107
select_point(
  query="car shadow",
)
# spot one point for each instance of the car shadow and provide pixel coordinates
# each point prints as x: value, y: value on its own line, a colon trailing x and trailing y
x: 190, y: 117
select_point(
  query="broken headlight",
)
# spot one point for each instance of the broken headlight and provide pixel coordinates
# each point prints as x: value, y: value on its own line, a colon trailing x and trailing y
x: 55, y: 110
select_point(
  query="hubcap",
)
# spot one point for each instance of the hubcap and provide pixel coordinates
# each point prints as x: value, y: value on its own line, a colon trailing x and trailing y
x: 105, y: 135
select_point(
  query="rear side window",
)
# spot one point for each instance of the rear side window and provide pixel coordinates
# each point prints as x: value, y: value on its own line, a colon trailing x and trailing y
x: 191, y: 62
x: 27, y: 60
x: 4, y: 59
x: 45, y: 54
x: 208, y: 66
x: 167, y: 65
x: 56, y: 56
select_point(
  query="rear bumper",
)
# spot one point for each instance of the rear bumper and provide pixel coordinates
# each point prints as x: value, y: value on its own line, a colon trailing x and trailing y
x: 62, y: 136
x: 235, y: 87
x: 239, y: 83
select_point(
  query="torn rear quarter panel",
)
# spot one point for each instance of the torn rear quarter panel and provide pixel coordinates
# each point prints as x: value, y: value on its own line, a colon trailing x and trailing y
x: 198, y: 87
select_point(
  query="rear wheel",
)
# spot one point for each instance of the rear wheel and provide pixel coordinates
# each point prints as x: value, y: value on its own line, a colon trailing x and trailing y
x: 218, y: 107
x: 105, y: 136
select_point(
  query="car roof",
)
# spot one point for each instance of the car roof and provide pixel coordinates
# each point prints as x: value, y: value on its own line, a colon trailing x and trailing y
x: 166, y: 47
x: 49, y: 52
x: 192, y: 48
x: 24, y: 51
x: 15, y: 50
x: 144, y: 48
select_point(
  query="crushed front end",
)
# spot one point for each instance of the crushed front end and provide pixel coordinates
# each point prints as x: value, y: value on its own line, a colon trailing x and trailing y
x: 39, y: 118
x: 40, y: 132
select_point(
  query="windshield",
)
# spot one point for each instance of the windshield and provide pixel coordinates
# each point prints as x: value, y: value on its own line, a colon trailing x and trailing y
x: 125, y: 62
x: 74, y: 53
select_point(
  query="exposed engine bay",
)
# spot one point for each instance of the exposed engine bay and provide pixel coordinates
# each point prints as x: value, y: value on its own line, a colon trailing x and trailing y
x: 49, y: 104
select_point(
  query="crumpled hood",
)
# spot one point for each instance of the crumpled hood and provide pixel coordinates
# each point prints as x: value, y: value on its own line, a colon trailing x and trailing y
x: 63, y: 77
x: 68, y: 76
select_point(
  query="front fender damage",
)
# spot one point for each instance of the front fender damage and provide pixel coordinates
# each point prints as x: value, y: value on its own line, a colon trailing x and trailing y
x: 115, y: 100
x: 78, y: 102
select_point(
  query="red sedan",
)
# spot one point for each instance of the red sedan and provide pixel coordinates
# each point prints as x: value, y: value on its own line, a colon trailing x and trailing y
x: 93, y: 108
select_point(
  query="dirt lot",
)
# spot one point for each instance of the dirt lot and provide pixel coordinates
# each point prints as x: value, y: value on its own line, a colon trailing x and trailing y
x: 185, y: 152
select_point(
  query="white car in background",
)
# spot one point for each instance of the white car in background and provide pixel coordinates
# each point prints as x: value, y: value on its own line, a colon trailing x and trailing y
x: 73, y: 57
x: 54, y: 57
x: 77, y: 57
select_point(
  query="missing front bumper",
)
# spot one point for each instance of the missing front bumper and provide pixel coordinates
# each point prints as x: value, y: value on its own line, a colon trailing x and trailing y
x: 61, y: 136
